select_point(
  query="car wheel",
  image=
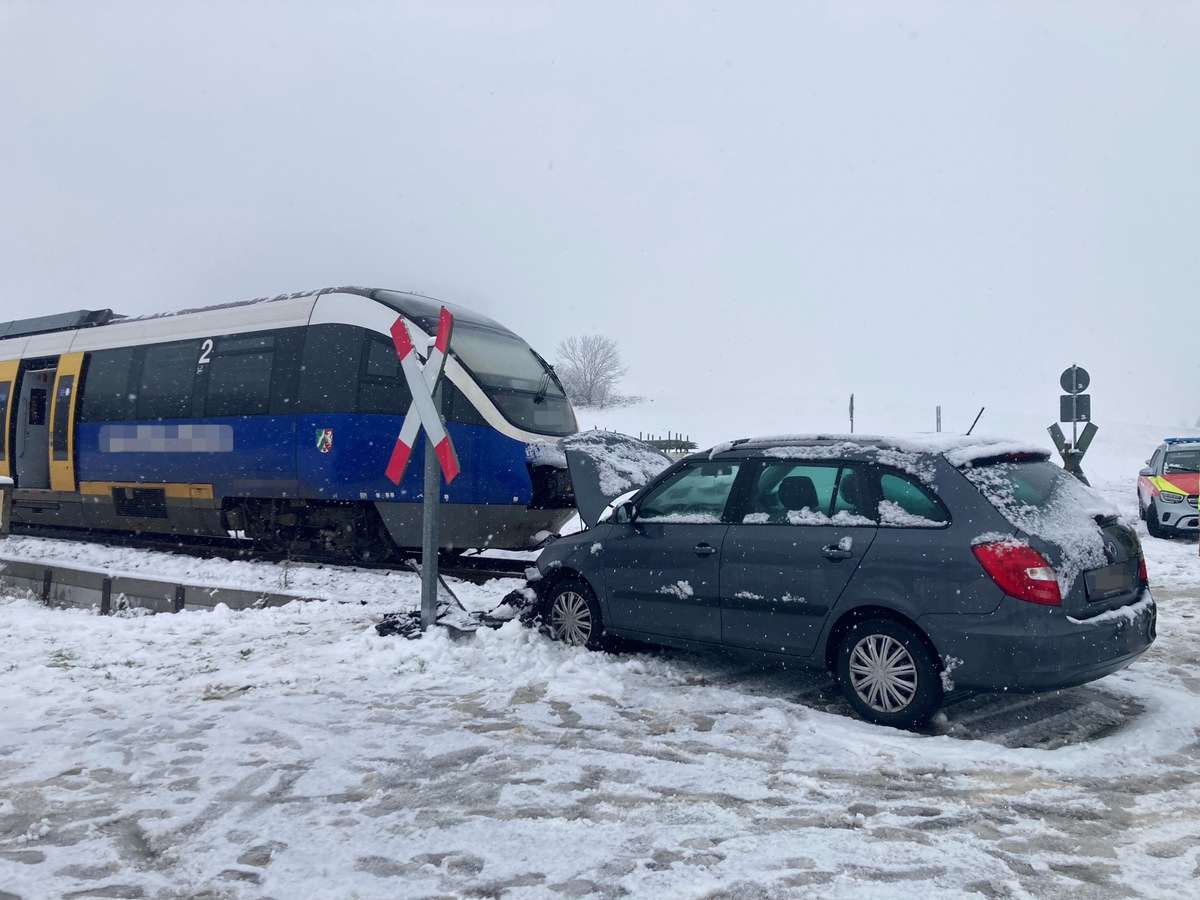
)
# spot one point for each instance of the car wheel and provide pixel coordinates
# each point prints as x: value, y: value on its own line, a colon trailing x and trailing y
x: 1141, y: 507
x: 887, y: 674
x: 1152, y: 524
x: 573, y: 616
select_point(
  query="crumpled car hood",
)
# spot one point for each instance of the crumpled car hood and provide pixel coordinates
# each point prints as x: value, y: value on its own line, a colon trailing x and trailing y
x: 604, y: 465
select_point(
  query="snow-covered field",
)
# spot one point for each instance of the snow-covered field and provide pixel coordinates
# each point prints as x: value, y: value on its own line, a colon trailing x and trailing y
x: 293, y: 753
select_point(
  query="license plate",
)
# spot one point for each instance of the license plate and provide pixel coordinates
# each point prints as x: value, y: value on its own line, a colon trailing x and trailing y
x: 1111, y: 580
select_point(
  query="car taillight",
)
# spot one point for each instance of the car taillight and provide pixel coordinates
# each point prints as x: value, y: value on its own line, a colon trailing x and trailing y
x: 1142, y: 576
x: 1019, y: 571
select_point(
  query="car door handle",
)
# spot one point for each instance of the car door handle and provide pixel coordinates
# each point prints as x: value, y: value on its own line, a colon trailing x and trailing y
x: 835, y: 552
x: 704, y: 549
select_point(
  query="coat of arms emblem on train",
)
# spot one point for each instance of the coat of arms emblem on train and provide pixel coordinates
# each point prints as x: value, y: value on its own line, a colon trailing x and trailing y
x: 324, y: 439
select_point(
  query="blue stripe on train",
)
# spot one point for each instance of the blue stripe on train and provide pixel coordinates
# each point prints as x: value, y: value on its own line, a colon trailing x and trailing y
x: 336, y: 456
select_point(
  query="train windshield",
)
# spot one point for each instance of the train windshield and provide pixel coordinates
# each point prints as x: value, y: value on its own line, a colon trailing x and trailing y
x: 520, y: 383
x: 503, y: 361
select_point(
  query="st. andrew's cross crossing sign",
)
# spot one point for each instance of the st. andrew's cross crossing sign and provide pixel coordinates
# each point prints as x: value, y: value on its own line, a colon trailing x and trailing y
x: 423, y: 412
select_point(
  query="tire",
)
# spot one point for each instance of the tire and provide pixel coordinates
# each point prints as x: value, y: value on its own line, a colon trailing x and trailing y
x: 887, y: 674
x: 1141, y: 507
x: 1152, y: 523
x: 572, y: 615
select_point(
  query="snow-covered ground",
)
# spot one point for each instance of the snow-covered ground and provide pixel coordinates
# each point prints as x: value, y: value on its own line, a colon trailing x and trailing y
x: 293, y: 753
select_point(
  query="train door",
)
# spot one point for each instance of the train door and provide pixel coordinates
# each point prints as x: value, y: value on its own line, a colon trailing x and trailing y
x: 33, y: 429
x: 8, y: 380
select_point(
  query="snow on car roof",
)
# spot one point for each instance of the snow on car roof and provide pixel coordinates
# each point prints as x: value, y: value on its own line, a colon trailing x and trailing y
x: 958, y: 449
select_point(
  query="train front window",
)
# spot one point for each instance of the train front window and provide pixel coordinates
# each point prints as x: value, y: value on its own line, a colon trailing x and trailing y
x: 520, y: 383
x: 502, y: 361
x: 516, y: 379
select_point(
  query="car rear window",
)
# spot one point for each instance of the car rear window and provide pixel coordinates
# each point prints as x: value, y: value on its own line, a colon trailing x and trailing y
x: 1019, y: 484
x: 1043, y: 500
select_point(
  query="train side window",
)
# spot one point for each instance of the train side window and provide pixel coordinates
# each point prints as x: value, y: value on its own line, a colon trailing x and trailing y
x: 382, y: 388
x: 106, y: 396
x: 37, y: 407
x: 165, y: 386
x: 458, y: 408
x: 239, y: 376
x: 329, y: 368
x: 382, y: 360
x: 285, y: 386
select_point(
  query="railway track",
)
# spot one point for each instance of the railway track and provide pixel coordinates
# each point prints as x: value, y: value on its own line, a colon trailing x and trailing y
x: 465, y: 566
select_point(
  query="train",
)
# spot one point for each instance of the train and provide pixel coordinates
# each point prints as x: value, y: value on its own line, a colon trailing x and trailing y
x: 274, y: 419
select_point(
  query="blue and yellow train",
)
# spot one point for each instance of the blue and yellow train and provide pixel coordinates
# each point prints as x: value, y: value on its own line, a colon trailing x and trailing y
x: 275, y: 419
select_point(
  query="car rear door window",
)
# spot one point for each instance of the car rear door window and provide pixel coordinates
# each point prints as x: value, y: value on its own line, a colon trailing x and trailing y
x: 807, y: 493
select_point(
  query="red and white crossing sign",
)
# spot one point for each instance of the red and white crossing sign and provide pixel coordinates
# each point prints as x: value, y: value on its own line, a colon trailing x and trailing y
x: 422, y: 381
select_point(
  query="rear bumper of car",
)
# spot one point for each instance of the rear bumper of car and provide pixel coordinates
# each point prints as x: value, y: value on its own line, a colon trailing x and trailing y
x: 1029, y: 648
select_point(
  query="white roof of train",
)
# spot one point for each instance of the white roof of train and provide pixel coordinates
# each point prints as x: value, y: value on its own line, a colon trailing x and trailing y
x: 283, y: 311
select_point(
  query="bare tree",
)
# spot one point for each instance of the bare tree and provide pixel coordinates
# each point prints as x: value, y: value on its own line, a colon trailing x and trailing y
x: 589, y: 367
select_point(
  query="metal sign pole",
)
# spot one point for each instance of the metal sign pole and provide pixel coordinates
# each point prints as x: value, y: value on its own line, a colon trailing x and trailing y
x: 1074, y: 406
x: 429, y: 528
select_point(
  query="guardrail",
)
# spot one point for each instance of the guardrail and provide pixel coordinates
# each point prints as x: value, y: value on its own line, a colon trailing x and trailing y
x: 59, y: 586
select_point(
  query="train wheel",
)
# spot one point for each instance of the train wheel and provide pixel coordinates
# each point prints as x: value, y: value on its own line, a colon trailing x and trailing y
x: 573, y: 616
x: 371, y: 543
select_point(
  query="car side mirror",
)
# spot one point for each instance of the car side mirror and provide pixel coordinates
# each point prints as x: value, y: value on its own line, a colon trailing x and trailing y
x: 1145, y: 471
x: 625, y: 513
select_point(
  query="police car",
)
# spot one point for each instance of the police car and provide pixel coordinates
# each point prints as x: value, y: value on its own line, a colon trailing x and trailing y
x: 1167, y: 487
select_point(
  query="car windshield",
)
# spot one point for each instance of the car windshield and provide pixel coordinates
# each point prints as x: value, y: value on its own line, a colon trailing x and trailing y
x: 1178, y: 461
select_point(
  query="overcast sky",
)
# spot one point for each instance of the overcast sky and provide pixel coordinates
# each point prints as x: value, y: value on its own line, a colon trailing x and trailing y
x: 918, y: 202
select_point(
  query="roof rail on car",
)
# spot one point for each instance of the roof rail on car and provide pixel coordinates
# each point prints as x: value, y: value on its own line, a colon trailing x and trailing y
x: 83, y: 318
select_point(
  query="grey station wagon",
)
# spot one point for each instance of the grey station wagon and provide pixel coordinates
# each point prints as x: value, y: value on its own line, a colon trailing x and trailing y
x: 906, y: 567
